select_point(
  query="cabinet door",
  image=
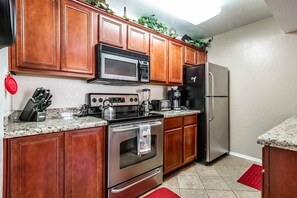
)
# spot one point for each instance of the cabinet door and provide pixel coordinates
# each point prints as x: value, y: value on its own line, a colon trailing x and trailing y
x: 85, y: 163
x: 37, y: 166
x: 138, y: 40
x: 201, y: 57
x: 77, y: 39
x: 173, y: 149
x: 38, y: 34
x: 112, y: 32
x: 159, y: 59
x: 190, y: 143
x: 175, y: 70
x: 190, y: 56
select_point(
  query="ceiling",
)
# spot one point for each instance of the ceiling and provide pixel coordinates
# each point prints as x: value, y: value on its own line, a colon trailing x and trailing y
x: 234, y: 14
x: 285, y: 13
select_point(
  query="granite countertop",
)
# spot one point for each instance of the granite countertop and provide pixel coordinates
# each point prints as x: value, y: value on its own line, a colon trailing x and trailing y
x: 282, y: 136
x: 20, y: 129
x: 169, y: 114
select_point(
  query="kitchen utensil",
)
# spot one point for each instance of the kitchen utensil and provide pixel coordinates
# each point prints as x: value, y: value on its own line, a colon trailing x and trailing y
x: 108, y: 110
x: 11, y: 84
x: 146, y: 94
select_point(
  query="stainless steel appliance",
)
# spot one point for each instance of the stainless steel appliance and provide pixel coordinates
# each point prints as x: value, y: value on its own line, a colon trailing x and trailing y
x: 206, y: 88
x: 130, y: 174
x: 161, y: 105
x: 7, y: 23
x: 174, y: 95
x: 117, y: 66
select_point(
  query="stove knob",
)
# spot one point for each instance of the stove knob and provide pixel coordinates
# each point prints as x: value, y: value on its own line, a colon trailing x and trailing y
x: 135, y: 99
x: 131, y: 99
x: 100, y: 100
x: 94, y: 100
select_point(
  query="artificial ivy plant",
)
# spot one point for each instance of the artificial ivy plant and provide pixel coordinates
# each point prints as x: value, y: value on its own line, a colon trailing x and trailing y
x: 201, y: 43
x: 100, y: 4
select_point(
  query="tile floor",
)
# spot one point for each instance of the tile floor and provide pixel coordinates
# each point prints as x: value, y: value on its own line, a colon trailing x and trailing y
x: 218, y: 180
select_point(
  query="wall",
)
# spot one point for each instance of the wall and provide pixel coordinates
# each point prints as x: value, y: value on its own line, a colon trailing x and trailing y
x: 5, y: 105
x: 72, y: 92
x: 263, y: 80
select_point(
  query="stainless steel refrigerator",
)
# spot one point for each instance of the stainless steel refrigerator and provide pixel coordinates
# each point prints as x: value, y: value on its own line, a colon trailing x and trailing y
x: 206, y: 88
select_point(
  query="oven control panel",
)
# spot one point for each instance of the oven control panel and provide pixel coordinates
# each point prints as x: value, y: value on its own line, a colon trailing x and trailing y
x: 96, y: 100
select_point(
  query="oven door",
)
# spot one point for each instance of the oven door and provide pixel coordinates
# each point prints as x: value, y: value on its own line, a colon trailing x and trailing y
x: 123, y: 161
x: 118, y: 68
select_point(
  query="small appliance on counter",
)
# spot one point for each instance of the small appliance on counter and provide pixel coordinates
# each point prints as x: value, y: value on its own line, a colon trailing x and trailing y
x: 161, y: 105
x: 145, y: 105
x: 36, y: 106
x: 174, y: 95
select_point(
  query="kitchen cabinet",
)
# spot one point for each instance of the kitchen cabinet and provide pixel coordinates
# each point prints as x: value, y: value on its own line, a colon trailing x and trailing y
x: 159, y: 59
x: 36, y: 167
x: 64, y: 164
x: 77, y: 39
x: 176, y: 60
x: 138, y: 40
x: 173, y: 144
x: 279, y: 168
x: 201, y: 57
x: 84, y: 159
x: 190, y: 56
x: 38, y: 35
x: 112, y: 32
x: 180, y: 141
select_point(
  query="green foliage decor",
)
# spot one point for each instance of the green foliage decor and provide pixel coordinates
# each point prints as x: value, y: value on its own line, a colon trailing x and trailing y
x: 201, y: 43
x: 100, y: 4
x: 153, y: 23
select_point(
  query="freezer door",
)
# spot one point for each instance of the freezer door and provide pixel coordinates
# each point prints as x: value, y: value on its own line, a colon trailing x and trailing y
x: 217, y: 127
x: 217, y: 80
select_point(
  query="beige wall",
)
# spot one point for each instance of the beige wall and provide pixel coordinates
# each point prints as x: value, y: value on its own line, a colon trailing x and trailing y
x: 72, y: 92
x: 5, y: 104
x: 263, y: 80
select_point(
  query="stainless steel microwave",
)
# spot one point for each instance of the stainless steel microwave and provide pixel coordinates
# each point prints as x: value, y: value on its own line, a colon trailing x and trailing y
x: 116, y: 66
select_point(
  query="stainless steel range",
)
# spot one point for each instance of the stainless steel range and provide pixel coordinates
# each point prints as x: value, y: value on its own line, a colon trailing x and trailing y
x: 131, y: 171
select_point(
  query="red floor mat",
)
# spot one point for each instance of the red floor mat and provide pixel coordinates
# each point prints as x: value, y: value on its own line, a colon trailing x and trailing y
x: 252, y: 177
x: 162, y: 193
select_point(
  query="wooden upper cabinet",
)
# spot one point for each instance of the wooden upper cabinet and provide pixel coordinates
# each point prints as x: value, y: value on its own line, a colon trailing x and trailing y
x: 201, y: 57
x: 84, y: 159
x: 190, y: 143
x: 112, y: 32
x: 77, y: 39
x: 38, y: 34
x: 138, y: 40
x: 190, y: 55
x: 37, y: 166
x: 159, y: 58
x: 176, y: 59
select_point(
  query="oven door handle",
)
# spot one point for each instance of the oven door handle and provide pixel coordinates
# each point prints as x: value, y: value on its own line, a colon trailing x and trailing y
x: 155, y: 123
x: 113, y: 190
x: 121, y: 129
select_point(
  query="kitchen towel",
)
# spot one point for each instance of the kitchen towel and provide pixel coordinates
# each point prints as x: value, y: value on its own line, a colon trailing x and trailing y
x: 144, y: 139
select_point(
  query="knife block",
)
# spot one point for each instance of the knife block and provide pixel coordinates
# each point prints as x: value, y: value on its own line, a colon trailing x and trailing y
x: 39, y: 116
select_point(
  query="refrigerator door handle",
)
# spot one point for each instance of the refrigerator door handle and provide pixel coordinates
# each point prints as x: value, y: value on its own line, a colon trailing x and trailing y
x: 212, y: 96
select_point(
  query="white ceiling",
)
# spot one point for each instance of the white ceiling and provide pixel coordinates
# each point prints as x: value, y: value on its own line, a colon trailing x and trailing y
x: 234, y: 14
x: 285, y: 13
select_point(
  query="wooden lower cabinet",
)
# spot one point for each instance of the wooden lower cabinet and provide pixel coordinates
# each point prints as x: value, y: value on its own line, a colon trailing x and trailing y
x: 190, y: 143
x: 173, y: 144
x: 84, y: 159
x: 279, y: 171
x: 65, y: 164
x: 180, y: 142
x: 36, y: 166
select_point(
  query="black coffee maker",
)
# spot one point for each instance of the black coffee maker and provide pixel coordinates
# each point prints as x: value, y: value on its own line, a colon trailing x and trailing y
x: 174, y: 95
